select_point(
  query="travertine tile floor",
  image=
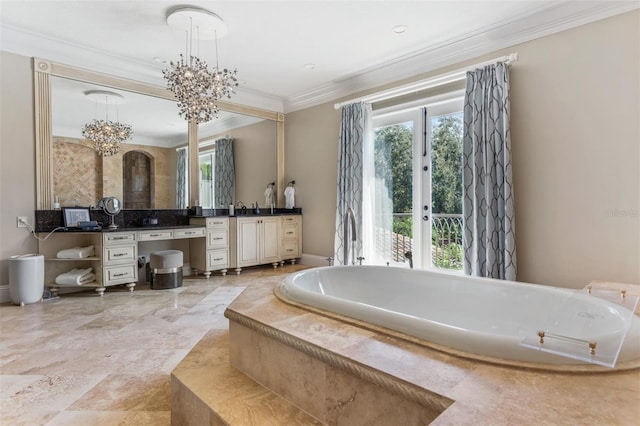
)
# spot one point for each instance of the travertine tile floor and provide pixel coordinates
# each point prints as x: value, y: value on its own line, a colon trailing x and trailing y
x: 90, y: 360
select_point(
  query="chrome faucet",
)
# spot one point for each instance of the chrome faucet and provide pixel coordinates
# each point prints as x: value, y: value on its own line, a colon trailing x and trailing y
x: 349, y: 218
x: 409, y: 256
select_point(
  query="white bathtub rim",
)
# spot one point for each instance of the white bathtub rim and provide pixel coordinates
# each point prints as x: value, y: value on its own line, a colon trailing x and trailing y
x: 566, y: 365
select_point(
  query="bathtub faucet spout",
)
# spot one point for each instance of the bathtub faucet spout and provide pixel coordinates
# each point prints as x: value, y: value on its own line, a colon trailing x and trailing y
x: 349, y: 219
x: 409, y: 257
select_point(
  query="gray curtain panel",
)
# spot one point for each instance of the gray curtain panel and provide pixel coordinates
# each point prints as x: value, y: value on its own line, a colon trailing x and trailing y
x: 488, y: 206
x: 225, y: 175
x: 181, y: 184
x: 352, y: 128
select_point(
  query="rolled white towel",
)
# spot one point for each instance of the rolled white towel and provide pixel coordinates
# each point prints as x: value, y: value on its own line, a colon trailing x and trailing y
x: 76, y: 277
x: 76, y: 253
x: 289, y: 195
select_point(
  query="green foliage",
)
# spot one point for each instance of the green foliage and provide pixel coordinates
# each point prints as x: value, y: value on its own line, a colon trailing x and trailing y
x: 206, y: 171
x: 393, y: 160
x: 403, y: 226
x: 448, y: 256
x: 446, y: 164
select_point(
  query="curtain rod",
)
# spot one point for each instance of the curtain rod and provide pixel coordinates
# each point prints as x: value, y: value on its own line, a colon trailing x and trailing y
x: 427, y: 83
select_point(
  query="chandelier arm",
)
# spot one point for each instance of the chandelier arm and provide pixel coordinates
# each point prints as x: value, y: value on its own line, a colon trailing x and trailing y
x: 215, y: 36
x: 190, y: 40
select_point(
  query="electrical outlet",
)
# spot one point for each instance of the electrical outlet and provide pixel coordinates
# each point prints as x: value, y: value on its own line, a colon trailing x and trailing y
x: 22, y: 222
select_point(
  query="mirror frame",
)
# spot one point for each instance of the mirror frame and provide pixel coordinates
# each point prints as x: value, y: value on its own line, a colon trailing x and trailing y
x: 43, y: 70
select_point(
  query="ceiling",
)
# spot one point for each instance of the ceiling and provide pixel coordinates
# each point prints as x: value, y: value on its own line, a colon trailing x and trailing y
x: 272, y: 43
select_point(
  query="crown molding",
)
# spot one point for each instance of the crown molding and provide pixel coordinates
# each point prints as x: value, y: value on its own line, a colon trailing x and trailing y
x: 559, y: 17
x: 35, y: 45
x: 549, y: 19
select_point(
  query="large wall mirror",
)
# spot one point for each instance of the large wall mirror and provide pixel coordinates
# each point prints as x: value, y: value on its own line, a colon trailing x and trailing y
x: 163, y: 151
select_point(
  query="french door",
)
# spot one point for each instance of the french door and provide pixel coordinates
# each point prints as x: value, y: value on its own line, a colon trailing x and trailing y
x: 415, y: 177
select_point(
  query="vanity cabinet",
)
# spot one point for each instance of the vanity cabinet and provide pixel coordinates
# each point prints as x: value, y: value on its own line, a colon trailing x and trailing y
x: 291, y: 238
x: 257, y: 242
x: 114, y: 261
x: 212, y: 252
x: 119, y: 260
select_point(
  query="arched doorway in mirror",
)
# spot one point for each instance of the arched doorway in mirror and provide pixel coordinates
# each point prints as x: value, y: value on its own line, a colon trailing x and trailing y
x: 138, y: 180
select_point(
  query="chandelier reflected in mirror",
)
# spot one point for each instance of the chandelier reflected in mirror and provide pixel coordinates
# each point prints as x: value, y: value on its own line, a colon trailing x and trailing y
x: 197, y: 88
x: 106, y: 135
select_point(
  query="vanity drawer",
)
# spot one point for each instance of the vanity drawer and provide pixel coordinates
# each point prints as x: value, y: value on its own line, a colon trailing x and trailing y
x: 217, y: 259
x: 292, y: 220
x: 166, y: 234
x: 119, y: 238
x: 217, y: 238
x: 290, y: 250
x: 290, y: 232
x: 217, y: 221
x: 120, y: 275
x: 189, y: 233
x: 120, y: 254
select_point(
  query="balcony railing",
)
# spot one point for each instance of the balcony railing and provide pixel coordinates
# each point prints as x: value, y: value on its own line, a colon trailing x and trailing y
x: 446, y: 241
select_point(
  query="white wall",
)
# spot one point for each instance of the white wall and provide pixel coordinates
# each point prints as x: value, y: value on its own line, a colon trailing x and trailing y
x: 575, y: 140
x: 17, y: 161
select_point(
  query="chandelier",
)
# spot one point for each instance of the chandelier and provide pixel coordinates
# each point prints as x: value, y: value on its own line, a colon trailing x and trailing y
x: 106, y: 135
x: 197, y: 88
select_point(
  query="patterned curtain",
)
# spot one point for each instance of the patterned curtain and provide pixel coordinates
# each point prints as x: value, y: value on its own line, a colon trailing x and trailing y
x: 489, y: 223
x: 181, y: 184
x: 225, y: 175
x: 352, y: 133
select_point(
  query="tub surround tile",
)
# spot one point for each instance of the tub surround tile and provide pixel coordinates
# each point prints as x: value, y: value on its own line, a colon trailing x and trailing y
x: 354, y: 401
x: 280, y: 368
x: 326, y: 391
x: 482, y: 393
x: 206, y: 389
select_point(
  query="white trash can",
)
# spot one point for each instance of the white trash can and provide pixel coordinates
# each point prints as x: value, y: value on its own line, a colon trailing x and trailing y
x: 26, y: 278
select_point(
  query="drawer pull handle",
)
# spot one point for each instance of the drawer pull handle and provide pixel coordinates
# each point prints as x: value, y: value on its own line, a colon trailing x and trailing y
x: 217, y: 259
x: 155, y: 235
x: 123, y: 274
x: 120, y: 238
x: 189, y: 232
x: 289, y: 250
x: 218, y: 238
x: 119, y: 254
x: 289, y: 233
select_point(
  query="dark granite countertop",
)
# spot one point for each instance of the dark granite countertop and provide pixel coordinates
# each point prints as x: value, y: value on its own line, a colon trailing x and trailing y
x: 133, y: 220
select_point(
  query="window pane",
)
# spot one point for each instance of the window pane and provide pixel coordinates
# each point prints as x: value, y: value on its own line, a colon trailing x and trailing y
x: 206, y: 181
x: 446, y: 191
x: 393, y: 159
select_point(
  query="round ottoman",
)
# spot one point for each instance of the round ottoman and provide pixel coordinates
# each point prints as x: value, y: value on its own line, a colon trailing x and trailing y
x: 166, y: 269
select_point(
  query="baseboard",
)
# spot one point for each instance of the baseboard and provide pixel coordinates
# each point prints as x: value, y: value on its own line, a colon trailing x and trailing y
x: 313, y: 260
x: 4, y: 294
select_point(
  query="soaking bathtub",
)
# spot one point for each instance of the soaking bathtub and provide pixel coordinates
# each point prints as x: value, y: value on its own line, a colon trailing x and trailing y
x: 493, y: 319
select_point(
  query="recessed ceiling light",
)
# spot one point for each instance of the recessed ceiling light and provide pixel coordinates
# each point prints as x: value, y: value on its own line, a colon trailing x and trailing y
x: 310, y: 66
x: 399, y: 29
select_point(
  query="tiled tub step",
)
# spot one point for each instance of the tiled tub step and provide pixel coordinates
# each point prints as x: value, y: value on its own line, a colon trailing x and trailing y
x: 207, y: 390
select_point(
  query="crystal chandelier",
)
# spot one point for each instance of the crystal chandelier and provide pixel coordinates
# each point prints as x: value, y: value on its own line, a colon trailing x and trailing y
x: 197, y: 88
x: 106, y: 135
